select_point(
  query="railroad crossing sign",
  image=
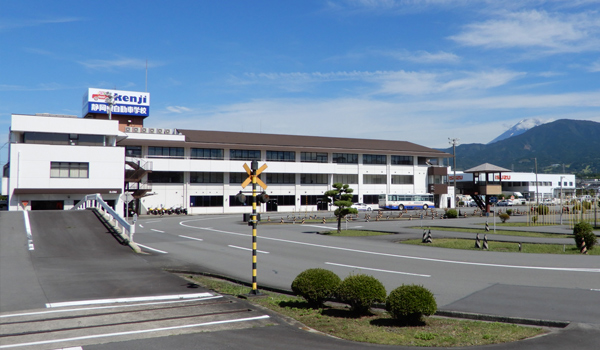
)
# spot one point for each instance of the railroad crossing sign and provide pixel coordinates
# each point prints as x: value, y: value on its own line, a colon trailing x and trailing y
x: 255, y: 176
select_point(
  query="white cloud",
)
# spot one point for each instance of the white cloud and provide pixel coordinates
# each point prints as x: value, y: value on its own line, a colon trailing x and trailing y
x: 396, y: 82
x: 428, y: 122
x: 178, y: 109
x: 119, y: 63
x: 425, y: 57
x: 552, y: 33
x: 595, y: 67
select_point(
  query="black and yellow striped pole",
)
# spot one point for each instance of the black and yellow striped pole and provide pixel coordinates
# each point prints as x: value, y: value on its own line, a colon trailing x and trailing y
x: 253, y: 173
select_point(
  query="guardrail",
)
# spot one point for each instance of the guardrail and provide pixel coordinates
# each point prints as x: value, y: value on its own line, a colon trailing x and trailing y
x: 95, y: 201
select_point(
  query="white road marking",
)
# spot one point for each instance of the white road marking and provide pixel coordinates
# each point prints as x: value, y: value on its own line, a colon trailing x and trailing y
x: 42, y: 342
x: 28, y: 230
x: 195, y: 239
x: 157, y: 230
x: 236, y: 247
x: 595, y: 290
x: 379, y: 270
x: 108, y: 307
x: 129, y: 300
x: 156, y: 250
x: 140, y: 225
x: 575, y: 269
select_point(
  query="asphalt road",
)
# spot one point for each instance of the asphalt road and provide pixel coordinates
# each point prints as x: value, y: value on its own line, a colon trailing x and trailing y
x: 74, y: 260
x: 508, y: 284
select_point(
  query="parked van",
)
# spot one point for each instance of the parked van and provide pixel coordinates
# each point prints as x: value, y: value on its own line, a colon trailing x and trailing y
x: 518, y: 199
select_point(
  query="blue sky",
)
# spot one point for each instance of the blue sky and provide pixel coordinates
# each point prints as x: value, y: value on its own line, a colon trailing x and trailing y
x: 418, y: 71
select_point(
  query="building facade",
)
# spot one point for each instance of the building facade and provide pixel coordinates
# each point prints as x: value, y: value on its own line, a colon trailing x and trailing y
x: 56, y: 160
x: 542, y: 187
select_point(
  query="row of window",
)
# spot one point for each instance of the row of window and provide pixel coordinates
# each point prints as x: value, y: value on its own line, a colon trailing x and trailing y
x: 63, y: 139
x: 533, y: 183
x: 271, y: 156
x: 277, y: 178
x: 217, y: 201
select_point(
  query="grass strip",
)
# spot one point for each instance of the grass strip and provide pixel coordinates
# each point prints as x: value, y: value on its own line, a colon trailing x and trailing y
x: 355, y: 233
x: 379, y: 327
x: 499, y: 232
x: 469, y: 244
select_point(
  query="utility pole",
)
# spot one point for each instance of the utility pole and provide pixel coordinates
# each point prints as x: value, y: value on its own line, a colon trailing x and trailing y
x: 454, y: 142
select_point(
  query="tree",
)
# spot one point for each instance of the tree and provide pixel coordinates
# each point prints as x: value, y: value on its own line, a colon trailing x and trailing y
x: 341, y: 197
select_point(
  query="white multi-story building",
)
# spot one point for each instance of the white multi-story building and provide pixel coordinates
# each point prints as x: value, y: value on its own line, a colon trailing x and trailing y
x: 56, y: 160
x: 546, y: 186
x: 203, y: 170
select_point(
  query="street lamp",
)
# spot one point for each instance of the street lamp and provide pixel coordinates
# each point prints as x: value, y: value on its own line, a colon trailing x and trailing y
x: 110, y: 102
x: 454, y: 142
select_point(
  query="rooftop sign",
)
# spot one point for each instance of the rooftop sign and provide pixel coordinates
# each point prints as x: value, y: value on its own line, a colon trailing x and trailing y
x: 125, y: 102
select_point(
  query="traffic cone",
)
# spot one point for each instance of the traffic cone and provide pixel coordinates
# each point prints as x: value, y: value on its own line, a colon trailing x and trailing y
x: 303, y: 221
x: 487, y: 227
x: 583, y: 247
x: 424, y: 240
x: 485, y: 242
x: 324, y: 221
x: 429, y: 240
x: 477, y: 242
x: 281, y: 222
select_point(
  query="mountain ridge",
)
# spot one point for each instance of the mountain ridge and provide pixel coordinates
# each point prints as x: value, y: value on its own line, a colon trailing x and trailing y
x: 565, y: 143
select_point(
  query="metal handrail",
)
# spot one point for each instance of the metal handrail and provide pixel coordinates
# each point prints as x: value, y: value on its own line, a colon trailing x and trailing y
x: 96, y: 201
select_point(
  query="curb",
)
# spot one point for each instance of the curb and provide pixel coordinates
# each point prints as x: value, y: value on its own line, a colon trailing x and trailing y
x: 503, y: 319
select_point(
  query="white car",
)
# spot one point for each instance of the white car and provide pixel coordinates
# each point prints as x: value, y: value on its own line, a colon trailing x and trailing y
x: 361, y: 206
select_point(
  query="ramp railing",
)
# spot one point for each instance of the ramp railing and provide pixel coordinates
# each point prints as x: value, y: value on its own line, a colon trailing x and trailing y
x: 95, y: 201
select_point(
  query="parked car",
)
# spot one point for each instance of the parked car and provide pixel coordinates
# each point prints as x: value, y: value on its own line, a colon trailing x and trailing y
x: 505, y: 203
x: 361, y: 206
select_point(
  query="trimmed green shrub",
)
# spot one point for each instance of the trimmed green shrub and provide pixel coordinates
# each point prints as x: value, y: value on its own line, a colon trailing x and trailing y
x: 509, y: 211
x: 543, y: 209
x: 451, y: 214
x: 584, y: 231
x: 409, y: 303
x: 360, y: 292
x: 504, y: 216
x: 316, y: 285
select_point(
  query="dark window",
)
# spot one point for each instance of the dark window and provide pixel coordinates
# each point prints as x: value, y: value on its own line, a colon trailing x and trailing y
x: 206, y: 153
x: 133, y: 151
x: 233, y: 202
x: 206, y: 201
x: 244, y: 154
x: 63, y: 139
x: 313, y: 157
x: 281, y: 156
x: 374, y: 159
x: 283, y: 200
x: 167, y: 177
x: 311, y: 200
x: 402, y: 160
x: 371, y: 199
x: 69, y: 170
x: 403, y: 179
x: 207, y: 178
x: 280, y: 178
x: 238, y: 178
x: 347, y: 158
x: 374, y: 179
x: 345, y: 178
x: 165, y: 152
x: 314, y: 178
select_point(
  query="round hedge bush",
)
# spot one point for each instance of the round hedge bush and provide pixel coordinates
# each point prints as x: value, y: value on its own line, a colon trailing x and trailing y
x: 504, y: 216
x: 315, y: 285
x: 408, y: 303
x: 584, y: 231
x: 360, y: 292
x: 451, y: 214
x: 543, y: 209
